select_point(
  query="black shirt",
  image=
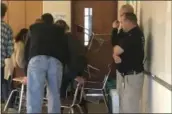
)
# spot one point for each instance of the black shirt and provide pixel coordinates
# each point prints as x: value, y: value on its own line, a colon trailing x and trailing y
x: 77, y: 60
x: 132, y: 57
x: 47, y: 39
x: 116, y: 36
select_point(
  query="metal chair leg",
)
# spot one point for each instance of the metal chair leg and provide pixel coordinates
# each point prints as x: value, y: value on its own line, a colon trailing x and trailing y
x: 80, y: 109
x: 105, y: 99
x: 9, y: 98
x: 21, y: 97
x: 71, y: 110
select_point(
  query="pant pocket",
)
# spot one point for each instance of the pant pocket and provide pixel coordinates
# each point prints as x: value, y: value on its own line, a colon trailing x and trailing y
x: 135, y: 81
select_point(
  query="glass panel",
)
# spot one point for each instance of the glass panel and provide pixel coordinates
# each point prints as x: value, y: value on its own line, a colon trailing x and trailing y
x: 87, y: 24
x: 90, y: 11
x: 86, y: 11
x: 86, y: 37
x: 85, y: 43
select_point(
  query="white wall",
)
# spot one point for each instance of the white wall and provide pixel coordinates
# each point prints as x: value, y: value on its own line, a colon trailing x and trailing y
x: 156, y: 24
x: 58, y: 7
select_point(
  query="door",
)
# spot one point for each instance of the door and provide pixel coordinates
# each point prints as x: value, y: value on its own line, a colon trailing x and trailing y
x: 33, y: 11
x: 101, y: 15
x: 16, y: 15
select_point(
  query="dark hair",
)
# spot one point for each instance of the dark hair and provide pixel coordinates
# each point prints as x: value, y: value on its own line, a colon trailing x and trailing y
x: 21, y: 36
x: 47, y: 18
x: 3, y: 9
x: 62, y: 23
x: 131, y: 17
x: 38, y: 20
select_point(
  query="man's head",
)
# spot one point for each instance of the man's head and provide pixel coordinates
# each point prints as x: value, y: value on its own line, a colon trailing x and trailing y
x: 3, y: 10
x: 127, y: 8
x: 47, y: 18
x: 128, y: 21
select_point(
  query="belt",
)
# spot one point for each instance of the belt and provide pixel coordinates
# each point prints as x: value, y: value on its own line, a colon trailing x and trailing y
x: 130, y: 72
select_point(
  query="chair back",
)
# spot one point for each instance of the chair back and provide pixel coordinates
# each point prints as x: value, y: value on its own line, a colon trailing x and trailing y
x: 78, y: 94
x: 106, y: 76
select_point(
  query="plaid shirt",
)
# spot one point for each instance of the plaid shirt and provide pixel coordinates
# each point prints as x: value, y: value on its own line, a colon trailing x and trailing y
x: 6, y: 42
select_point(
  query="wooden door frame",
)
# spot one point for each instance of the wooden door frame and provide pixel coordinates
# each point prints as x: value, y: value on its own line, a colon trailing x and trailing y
x: 71, y: 8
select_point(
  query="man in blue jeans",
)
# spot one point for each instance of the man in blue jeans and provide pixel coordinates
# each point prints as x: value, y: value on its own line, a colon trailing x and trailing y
x: 47, y: 52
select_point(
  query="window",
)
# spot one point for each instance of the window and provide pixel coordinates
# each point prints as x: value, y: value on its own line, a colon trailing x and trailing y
x: 87, y: 25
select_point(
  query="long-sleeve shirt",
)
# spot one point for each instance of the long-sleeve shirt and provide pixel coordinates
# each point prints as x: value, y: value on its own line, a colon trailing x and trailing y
x: 17, y: 59
x: 6, y: 42
x: 18, y: 55
x: 115, y: 36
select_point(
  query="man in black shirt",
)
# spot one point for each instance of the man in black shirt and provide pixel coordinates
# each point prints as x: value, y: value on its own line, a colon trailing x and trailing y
x: 128, y: 55
x: 47, y: 52
x: 116, y: 24
x: 118, y: 33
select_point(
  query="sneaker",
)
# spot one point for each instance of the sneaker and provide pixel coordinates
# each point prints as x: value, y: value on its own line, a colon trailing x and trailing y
x: 12, y: 110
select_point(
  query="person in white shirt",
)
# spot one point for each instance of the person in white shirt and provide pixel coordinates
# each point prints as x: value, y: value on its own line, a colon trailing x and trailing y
x: 19, y: 48
x: 16, y: 60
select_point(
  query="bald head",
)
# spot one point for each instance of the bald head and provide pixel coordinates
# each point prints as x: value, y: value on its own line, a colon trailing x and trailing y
x: 127, y: 8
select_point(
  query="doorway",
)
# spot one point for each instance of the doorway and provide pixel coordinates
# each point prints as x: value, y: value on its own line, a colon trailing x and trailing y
x: 96, y: 17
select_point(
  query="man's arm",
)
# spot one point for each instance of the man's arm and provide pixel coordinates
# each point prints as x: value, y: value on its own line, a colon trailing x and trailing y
x: 10, y: 44
x: 114, y: 36
x: 118, y: 50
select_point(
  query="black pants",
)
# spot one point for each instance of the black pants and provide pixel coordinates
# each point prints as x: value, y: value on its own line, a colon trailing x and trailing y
x: 6, y: 88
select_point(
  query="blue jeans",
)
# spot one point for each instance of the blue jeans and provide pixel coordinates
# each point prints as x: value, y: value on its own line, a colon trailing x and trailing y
x: 7, y: 87
x: 43, y: 69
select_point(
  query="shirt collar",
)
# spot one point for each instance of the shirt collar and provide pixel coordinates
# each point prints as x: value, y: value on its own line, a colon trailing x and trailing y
x: 132, y: 30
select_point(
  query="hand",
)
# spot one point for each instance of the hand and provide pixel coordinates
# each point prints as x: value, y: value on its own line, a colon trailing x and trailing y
x: 115, y: 24
x: 117, y: 59
x: 24, y: 80
x: 79, y: 79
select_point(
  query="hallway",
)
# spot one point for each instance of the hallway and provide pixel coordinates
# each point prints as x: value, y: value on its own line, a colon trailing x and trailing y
x: 154, y: 19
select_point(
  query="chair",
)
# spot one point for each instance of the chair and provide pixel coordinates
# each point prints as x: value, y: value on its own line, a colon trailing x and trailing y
x: 71, y: 103
x: 98, y: 87
x: 19, y: 90
x: 90, y: 67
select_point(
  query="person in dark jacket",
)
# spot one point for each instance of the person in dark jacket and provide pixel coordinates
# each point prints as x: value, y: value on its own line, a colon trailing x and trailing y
x: 47, y: 53
x: 77, y: 61
x: 74, y: 69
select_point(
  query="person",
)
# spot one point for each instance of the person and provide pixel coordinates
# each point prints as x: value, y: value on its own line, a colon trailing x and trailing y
x: 116, y: 34
x: 16, y: 61
x: 47, y: 53
x: 6, y: 51
x: 128, y: 54
x: 74, y: 69
x: 19, y: 45
x: 75, y: 66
